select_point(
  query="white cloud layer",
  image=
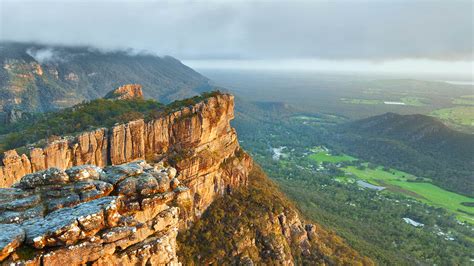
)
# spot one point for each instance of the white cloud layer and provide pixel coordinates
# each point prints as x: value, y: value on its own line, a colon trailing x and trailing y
x: 354, y: 30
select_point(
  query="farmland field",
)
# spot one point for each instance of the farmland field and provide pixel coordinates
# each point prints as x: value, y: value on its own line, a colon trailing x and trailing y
x: 464, y: 100
x: 460, y: 117
x: 361, y: 101
x: 407, y: 101
x: 323, y: 156
x: 402, y: 183
x: 413, y: 101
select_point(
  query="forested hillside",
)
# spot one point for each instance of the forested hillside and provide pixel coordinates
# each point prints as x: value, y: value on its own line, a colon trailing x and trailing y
x: 419, y: 144
x: 37, y: 77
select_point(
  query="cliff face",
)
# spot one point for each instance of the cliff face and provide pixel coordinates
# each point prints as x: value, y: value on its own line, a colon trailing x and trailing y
x: 125, y: 213
x: 198, y: 140
x: 126, y: 92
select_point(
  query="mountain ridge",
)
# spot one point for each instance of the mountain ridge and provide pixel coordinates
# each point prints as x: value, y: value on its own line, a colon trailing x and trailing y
x: 36, y: 77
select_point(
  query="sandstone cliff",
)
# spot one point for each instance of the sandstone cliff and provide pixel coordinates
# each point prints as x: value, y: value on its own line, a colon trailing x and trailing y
x: 111, y: 207
x: 126, y: 92
x: 198, y: 140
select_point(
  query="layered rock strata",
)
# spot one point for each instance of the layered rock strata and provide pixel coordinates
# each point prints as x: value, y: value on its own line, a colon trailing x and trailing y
x: 197, y: 140
x: 120, y: 215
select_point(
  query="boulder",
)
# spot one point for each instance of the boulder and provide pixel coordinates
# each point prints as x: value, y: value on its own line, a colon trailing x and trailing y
x: 51, y: 176
x: 11, y: 237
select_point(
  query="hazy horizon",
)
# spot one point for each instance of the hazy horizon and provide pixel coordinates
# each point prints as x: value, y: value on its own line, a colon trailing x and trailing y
x: 360, y: 35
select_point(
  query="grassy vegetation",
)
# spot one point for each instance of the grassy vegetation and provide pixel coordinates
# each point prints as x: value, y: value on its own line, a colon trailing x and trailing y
x: 464, y: 100
x: 324, y: 156
x: 401, y: 182
x: 86, y: 116
x: 319, y: 120
x: 408, y: 100
x: 413, y: 101
x: 460, y: 117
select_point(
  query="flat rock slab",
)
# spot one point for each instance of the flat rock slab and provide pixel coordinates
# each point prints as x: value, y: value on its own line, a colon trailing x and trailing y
x: 69, y: 225
x: 11, y: 237
x: 51, y: 176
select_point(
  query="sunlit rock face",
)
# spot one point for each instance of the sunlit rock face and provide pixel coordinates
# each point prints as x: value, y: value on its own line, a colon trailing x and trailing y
x: 196, y: 139
x: 124, y: 214
x: 126, y: 92
x: 120, y: 195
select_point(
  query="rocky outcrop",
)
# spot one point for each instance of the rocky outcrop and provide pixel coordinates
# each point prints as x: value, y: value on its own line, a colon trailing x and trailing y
x: 196, y: 139
x: 120, y: 215
x: 13, y: 115
x: 126, y: 92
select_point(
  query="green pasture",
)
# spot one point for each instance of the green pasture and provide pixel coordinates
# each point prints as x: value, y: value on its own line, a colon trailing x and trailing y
x: 458, y: 116
x: 464, y: 100
x: 404, y: 183
x: 323, y: 156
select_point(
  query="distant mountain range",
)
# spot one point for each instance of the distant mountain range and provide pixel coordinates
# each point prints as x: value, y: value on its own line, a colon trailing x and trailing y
x: 37, y: 77
x: 417, y: 143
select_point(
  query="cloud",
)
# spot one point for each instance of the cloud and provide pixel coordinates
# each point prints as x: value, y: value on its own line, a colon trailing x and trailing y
x: 44, y: 55
x: 371, y: 30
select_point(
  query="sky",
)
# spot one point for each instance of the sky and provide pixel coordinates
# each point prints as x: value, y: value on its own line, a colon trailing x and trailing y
x: 233, y: 33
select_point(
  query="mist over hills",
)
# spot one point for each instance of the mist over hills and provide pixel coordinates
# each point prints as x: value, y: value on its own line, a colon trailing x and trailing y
x: 38, y: 77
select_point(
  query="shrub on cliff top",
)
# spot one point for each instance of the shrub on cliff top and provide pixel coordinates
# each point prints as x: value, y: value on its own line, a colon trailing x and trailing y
x: 85, y: 116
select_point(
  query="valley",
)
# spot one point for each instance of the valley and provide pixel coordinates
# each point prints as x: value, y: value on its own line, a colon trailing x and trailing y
x: 398, y: 182
x: 353, y: 96
x: 326, y: 186
x: 364, y: 156
x: 393, y: 210
x: 292, y: 133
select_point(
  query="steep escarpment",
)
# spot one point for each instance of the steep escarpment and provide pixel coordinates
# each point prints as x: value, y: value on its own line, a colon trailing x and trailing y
x: 123, y: 195
x: 192, y: 126
x: 124, y: 213
x: 197, y: 140
x: 259, y: 225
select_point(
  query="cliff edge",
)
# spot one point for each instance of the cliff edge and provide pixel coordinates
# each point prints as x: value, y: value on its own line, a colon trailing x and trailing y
x: 154, y: 192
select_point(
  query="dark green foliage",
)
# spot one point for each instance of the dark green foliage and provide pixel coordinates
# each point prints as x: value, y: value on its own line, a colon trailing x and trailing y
x: 163, y: 78
x: 248, y: 214
x: 370, y: 221
x: 417, y: 144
